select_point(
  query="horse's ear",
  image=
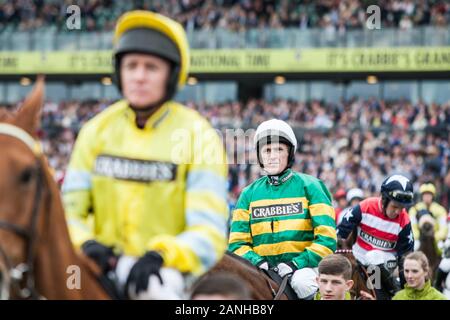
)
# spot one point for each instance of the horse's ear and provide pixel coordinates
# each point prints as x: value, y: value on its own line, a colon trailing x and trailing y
x: 29, y: 115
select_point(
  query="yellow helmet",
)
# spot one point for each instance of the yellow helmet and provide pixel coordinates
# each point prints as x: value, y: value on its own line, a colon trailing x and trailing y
x: 427, y: 187
x: 149, y: 32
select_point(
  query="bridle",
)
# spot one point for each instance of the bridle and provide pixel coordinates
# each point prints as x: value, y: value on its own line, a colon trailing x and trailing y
x: 23, y: 272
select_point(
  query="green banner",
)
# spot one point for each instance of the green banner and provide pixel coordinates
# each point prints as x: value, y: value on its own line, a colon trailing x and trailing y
x: 414, y: 59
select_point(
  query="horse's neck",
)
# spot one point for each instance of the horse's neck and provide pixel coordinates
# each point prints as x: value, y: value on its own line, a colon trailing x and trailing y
x: 60, y: 271
x: 255, y: 279
x: 427, y: 243
x: 428, y: 247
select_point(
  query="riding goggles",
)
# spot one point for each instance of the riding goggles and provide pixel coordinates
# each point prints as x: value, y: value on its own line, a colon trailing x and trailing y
x: 401, y: 196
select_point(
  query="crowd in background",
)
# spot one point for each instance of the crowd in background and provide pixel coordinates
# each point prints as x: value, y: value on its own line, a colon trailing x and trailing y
x: 354, y: 143
x: 234, y: 15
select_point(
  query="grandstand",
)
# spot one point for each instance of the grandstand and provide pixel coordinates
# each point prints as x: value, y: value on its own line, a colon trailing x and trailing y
x: 363, y: 102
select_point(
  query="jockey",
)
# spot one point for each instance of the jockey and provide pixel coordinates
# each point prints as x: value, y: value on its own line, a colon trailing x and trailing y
x: 428, y: 206
x: 383, y: 230
x: 148, y: 172
x: 285, y: 219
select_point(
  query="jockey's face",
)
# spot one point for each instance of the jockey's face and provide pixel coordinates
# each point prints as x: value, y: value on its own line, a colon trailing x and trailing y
x: 427, y: 198
x: 415, y: 275
x: 144, y: 78
x: 333, y: 287
x: 342, y: 203
x: 393, y: 209
x: 274, y: 157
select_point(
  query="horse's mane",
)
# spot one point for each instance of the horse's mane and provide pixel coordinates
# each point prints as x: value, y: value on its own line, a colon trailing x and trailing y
x: 263, y: 285
x: 242, y: 260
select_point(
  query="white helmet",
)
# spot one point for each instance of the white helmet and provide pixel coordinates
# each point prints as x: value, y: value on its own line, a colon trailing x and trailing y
x: 355, y: 193
x: 278, y: 128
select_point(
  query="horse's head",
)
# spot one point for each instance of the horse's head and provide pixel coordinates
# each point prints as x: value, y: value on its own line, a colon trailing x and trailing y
x: 426, y: 225
x: 347, y: 244
x: 21, y: 191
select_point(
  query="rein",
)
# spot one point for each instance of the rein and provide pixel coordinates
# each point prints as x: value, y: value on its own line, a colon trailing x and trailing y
x: 276, y: 294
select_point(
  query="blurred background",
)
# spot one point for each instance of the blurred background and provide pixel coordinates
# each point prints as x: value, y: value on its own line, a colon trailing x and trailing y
x: 366, y: 95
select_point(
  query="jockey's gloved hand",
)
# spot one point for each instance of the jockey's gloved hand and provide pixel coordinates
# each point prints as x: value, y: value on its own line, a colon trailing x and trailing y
x: 285, y: 268
x: 103, y: 255
x: 263, y: 265
x: 149, y: 264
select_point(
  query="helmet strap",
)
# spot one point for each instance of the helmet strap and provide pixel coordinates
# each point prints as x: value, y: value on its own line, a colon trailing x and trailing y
x: 144, y: 113
x: 291, y: 157
x: 384, y: 203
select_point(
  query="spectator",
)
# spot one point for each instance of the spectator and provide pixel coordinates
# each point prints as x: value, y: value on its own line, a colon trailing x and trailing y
x: 334, y: 278
x: 422, y: 153
x: 418, y: 286
x: 100, y: 15
x: 220, y: 286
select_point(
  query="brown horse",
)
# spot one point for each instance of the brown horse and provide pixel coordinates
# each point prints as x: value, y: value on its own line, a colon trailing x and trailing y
x: 37, y: 259
x: 428, y: 243
x: 262, y: 287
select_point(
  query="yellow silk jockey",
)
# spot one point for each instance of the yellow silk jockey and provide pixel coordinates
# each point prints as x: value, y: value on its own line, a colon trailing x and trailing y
x: 427, y: 205
x: 147, y: 176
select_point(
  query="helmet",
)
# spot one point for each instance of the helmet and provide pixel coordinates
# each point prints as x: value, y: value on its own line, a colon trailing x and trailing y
x: 283, y: 132
x: 427, y: 187
x: 339, y: 194
x: 398, y: 188
x: 149, y: 32
x: 355, y: 193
